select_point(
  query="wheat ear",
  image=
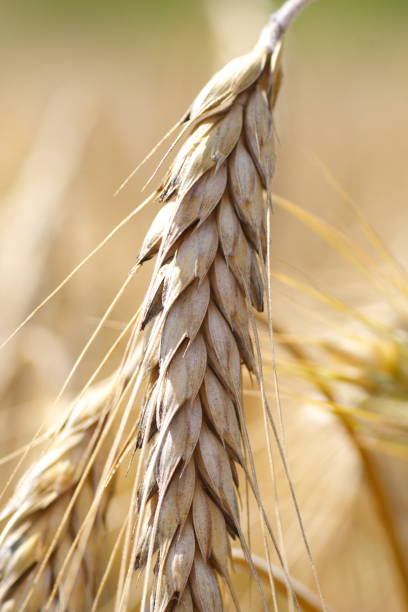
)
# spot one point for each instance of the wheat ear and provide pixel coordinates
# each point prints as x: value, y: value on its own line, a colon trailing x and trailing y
x: 40, y: 508
x: 210, y: 240
x: 212, y: 233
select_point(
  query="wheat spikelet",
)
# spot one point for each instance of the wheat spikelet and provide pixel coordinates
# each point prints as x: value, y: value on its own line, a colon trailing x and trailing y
x: 38, y: 506
x: 210, y: 237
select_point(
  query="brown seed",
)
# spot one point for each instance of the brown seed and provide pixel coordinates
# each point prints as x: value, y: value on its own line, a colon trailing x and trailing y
x: 231, y: 301
x: 206, y: 592
x: 247, y: 193
x: 259, y: 134
x: 180, y: 558
x: 202, y: 521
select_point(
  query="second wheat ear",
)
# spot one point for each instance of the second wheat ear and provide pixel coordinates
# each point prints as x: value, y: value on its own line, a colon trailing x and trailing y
x: 210, y: 239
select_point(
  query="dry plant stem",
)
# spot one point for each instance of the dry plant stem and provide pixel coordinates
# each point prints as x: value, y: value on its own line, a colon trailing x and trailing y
x: 373, y: 480
x: 281, y: 20
x: 38, y: 505
x: 308, y: 601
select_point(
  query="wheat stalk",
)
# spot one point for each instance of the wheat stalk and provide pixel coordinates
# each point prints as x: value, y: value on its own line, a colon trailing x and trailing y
x: 210, y: 238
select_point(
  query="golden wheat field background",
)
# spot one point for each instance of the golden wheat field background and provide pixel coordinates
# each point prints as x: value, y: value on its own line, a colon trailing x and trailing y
x: 87, y: 89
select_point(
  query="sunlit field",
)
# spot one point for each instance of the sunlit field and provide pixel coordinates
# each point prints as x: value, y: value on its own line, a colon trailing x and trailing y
x: 87, y: 90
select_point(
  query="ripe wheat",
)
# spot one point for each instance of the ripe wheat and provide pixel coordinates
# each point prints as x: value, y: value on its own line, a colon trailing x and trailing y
x: 30, y: 555
x: 211, y: 240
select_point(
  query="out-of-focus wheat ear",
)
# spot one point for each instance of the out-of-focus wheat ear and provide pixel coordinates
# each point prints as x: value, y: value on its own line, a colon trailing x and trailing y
x: 210, y: 241
x: 381, y: 418
x: 31, y: 554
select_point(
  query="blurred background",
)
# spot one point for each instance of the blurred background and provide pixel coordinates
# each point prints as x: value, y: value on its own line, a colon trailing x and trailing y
x: 87, y: 89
